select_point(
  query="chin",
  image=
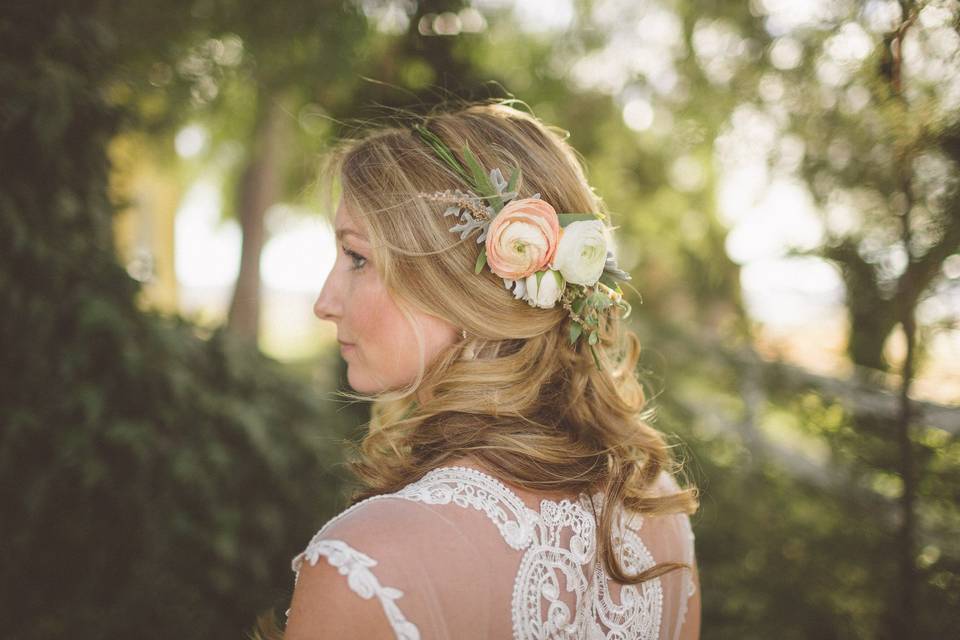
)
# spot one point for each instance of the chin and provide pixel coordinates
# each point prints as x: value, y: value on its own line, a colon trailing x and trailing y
x: 358, y: 383
x: 361, y: 383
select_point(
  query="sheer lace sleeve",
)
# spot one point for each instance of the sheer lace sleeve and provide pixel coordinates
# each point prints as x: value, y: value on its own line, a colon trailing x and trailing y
x: 391, y: 568
x: 458, y: 554
x: 670, y: 539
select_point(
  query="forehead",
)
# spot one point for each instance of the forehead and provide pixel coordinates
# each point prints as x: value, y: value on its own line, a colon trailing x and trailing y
x: 344, y: 223
x: 343, y: 218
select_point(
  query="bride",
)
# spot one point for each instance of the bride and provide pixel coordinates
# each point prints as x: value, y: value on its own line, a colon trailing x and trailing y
x: 512, y: 488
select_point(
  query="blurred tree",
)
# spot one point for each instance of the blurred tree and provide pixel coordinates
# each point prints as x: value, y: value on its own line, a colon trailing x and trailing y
x: 884, y: 141
x: 152, y: 481
x: 189, y: 467
x: 259, y: 78
x: 269, y: 81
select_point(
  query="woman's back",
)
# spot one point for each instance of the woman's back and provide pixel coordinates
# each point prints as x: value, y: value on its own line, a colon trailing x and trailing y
x: 459, y: 554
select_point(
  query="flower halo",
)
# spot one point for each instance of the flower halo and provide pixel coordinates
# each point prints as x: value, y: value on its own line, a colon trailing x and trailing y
x: 543, y: 257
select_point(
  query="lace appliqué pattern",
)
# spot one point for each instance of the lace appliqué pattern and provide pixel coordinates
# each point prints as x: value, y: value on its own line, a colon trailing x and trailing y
x: 595, y: 615
x: 356, y: 566
x: 639, y: 612
x: 545, y: 560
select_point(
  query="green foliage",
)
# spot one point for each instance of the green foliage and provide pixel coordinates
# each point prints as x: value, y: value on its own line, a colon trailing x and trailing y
x: 476, y: 176
x: 481, y: 260
x: 567, y: 218
x: 155, y: 483
x: 442, y: 151
x: 156, y: 480
x: 481, y: 181
x: 798, y: 541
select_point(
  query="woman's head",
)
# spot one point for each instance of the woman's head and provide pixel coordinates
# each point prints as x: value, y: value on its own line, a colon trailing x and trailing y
x: 514, y: 393
x: 418, y: 289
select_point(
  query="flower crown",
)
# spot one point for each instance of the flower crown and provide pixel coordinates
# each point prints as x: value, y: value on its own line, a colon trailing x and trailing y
x: 543, y: 256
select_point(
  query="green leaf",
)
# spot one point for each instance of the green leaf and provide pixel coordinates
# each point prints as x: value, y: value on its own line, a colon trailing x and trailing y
x: 514, y: 178
x: 481, y: 181
x: 577, y: 305
x: 481, y: 260
x: 593, y: 338
x: 596, y: 359
x: 575, y: 330
x: 599, y: 300
x: 442, y: 150
x: 607, y: 279
x: 615, y: 276
x: 567, y: 218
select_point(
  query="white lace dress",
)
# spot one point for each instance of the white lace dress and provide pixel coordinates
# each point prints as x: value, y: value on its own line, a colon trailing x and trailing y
x: 458, y: 554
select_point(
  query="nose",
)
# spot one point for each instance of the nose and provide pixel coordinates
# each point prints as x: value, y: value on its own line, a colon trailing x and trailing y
x: 327, y: 305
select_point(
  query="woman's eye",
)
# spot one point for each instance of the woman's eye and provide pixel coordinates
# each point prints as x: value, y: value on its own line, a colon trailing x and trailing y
x: 355, y: 257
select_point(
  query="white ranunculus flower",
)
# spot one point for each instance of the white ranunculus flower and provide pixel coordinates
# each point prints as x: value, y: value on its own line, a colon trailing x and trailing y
x: 582, y: 252
x: 544, y: 288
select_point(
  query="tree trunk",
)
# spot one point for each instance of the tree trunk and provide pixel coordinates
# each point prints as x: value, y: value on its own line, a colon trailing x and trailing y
x: 257, y: 190
x: 908, y: 290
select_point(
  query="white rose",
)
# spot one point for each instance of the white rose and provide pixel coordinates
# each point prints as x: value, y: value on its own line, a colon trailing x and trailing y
x: 582, y: 252
x: 544, y: 288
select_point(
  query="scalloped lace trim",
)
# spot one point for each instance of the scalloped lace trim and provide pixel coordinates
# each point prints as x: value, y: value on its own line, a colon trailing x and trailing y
x: 356, y: 566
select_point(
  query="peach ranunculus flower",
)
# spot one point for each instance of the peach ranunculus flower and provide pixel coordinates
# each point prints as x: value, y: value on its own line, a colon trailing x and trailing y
x: 522, y: 238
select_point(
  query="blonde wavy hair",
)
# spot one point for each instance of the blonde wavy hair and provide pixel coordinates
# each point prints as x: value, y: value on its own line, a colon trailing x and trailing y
x: 529, y: 407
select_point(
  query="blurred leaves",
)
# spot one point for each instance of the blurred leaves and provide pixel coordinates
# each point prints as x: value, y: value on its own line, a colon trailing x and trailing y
x: 149, y: 477
x: 157, y: 478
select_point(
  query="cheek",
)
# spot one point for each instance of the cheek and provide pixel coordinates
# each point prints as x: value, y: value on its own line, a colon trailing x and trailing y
x: 438, y: 334
x: 375, y: 319
x: 388, y: 353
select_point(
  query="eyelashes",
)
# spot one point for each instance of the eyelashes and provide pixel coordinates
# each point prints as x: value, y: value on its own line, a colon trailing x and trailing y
x: 354, y: 256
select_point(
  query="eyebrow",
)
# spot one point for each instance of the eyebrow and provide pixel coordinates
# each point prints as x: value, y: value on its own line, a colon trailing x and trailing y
x: 340, y: 233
